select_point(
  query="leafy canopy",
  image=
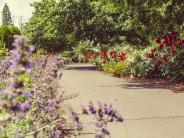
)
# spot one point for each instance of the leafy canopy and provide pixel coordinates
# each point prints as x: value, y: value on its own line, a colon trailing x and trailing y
x: 61, y: 24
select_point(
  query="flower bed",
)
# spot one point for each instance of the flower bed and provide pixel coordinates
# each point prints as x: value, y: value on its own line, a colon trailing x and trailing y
x: 162, y: 61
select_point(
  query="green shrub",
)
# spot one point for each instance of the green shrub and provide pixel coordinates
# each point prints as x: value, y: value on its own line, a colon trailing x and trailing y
x: 67, y: 56
x: 26, y: 79
x: 40, y: 52
x: 1, y: 44
x: 3, y: 50
x: 14, y: 30
x: 81, y: 48
x: 7, y: 33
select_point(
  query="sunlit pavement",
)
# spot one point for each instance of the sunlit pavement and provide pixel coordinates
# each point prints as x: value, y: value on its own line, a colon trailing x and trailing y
x: 148, y: 112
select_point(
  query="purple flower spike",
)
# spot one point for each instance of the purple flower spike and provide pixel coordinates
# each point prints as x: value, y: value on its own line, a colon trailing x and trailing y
x: 61, y: 100
x: 92, y: 109
x: 28, y: 105
x: 105, y: 131
x: 50, y: 104
x: 120, y: 119
x: 75, y: 117
x: 31, y: 49
x: 21, y: 107
x: 28, y: 65
x: 98, y: 136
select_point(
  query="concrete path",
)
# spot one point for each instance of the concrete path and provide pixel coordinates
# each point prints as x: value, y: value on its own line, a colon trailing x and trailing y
x: 149, y: 112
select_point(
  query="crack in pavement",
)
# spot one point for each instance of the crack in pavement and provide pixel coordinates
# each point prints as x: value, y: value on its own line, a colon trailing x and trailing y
x: 151, y: 118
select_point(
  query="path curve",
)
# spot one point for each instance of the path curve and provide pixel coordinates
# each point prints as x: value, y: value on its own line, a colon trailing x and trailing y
x: 149, y: 112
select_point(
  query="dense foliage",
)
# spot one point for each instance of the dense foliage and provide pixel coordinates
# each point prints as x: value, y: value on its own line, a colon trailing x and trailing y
x: 7, y: 31
x: 6, y: 35
x: 61, y: 24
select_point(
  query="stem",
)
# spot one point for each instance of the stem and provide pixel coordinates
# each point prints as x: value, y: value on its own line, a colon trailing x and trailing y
x: 40, y: 129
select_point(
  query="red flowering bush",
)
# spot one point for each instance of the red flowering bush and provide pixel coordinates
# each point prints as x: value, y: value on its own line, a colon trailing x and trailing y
x: 88, y: 55
x: 112, y: 55
x: 112, y: 62
x: 104, y: 55
x: 168, y: 57
x: 122, y: 56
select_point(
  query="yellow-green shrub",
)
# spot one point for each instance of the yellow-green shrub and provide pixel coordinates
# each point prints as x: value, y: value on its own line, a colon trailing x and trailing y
x: 116, y: 68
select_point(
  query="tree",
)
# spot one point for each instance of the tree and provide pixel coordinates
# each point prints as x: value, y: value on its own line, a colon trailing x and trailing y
x: 62, y: 23
x: 6, y: 16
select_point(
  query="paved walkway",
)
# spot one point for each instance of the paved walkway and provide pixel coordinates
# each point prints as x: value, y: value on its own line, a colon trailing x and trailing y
x: 149, y: 112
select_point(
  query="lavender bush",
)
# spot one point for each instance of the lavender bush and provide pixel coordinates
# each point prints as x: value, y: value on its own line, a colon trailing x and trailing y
x: 34, y: 105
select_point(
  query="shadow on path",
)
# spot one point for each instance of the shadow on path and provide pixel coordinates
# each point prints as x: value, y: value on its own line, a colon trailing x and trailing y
x: 80, y: 67
x: 130, y: 84
x: 136, y: 85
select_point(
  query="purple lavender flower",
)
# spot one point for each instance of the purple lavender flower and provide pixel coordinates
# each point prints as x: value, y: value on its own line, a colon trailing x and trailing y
x: 28, y: 105
x: 31, y: 50
x: 92, y: 108
x: 103, y: 114
x: 75, y: 117
x: 99, y: 136
x: 21, y: 107
x: 61, y: 100
x: 100, y: 124
x: 19, y: 64
x: 120, y: 119
x: 50, y: 104
x: 56, y: 134
x: 105, y: 131
x: 28, y: 65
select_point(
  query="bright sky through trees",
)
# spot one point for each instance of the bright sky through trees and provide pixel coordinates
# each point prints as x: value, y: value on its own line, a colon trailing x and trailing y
x: 19, y: 9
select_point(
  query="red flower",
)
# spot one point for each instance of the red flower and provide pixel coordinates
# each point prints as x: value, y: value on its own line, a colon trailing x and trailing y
x: 154, y: 50
x: 158, y: 40
x: 103, y: 55
x: 159, y: 63
x: 161, y: 46
x: 88, y: 55
x: 113, y: 54
x: 166, y: 57
x: 173, y: 51
x: 151, y: 55
x: 174, y: 33
x: 122, y: 56
x: 174, y: 38
x: 165, y: 37
x: 182, y: 42
x: 170, y: 38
